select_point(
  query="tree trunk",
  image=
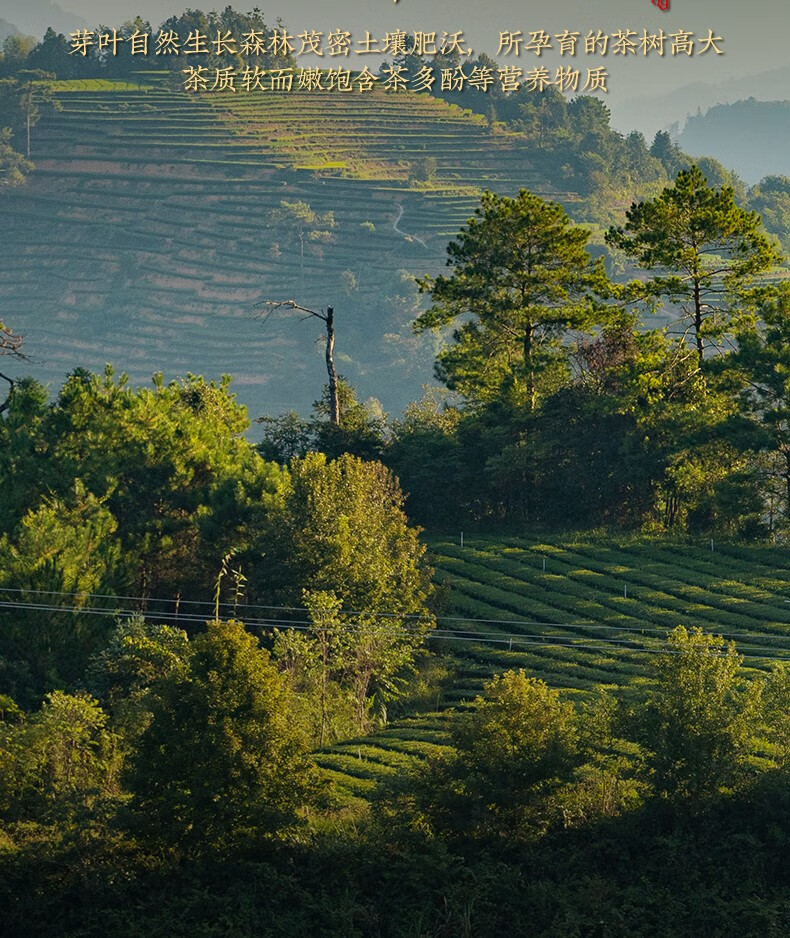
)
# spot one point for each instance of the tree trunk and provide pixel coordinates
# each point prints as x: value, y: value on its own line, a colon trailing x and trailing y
x: 787, y: 481
x: 362, y: 687
x: 670, y: 510
x: 529, y: 336
x: 324, y: 640
x: 698, y: 321
x: 334, y: 402
x: 11, y: 386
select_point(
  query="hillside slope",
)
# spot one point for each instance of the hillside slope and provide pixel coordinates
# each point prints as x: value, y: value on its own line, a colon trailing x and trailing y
x: 145, y: 234
x: 579, y: 614
x: 34, y: 17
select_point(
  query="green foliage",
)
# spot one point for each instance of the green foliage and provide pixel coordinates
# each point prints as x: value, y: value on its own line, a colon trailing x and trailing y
x: 13, y: 169
x: 521, y: 742
x: 320, y: 664
x: 57, y: 762
x: 170, y: 464
x: 719, y: 176
x: 340, y: 526
x: 523, y: 272
x: 776, y: 710
x: 360, y: 432
x: 60, y: 554
x: 339, y: 532
x: 650, y: 875
x: 52, y: 54
x: 706, y: 248
x: 664, y: 149
x: 222, y: 763
x: 424, y: 170
x: 771, y: 199
x: 500, y: 831
x: 425, y: 452
x: 125, y: 674
x: 22, y: 101
x: 16, y: 48
x: 572, y: 143
x: 511, y: 757
x: 760, y: 368
x: 574, y: 414
x: 696, y: 723
x: 632, y: 438
x: 116, y: 491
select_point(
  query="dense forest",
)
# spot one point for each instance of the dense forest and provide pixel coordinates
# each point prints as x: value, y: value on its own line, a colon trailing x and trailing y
x: 190, y: 621
x: 562, y: 406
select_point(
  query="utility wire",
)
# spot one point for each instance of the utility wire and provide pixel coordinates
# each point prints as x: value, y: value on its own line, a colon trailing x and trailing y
x: 238, y: 607
x: 345, y: 612
x: 178, y: 616
x: 605, y: 644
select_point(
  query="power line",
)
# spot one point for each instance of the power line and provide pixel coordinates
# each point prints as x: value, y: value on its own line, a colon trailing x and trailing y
x: 237, y: 608
x: 177, y: 616
x: 345, y: 612
x: 604, y: 644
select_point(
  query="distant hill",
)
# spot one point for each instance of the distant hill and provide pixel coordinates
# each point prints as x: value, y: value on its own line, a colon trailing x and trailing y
x: 145, y: 235
x: 752, y: 137
x: 7, y: 29
x: 33, y: 17
x: 155, y: 221
x: 649, y: 113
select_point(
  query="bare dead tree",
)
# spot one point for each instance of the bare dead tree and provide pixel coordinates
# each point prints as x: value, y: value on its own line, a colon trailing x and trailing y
x: 10, y: 344
x: 328, y: 319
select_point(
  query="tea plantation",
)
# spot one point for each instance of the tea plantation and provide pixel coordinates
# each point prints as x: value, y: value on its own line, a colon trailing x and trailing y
x: 146, y: 234
x: 578, y: 614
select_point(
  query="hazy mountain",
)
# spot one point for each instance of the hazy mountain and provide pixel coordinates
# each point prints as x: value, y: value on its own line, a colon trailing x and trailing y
x: 752, y: 137
x: 7, y: 29
x: 659, y: 112
x: 32, y: 17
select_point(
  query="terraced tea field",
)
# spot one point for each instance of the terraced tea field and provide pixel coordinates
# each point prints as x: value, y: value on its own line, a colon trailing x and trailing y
x: 145, y: 235
x: 580, y: 615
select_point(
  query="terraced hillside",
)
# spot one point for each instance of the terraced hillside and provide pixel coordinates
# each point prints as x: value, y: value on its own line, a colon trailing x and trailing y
x: 145, y: 235
x: 578, y: 615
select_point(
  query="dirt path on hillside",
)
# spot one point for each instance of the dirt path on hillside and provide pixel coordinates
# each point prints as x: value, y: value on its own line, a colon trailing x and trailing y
x: 400, y: 231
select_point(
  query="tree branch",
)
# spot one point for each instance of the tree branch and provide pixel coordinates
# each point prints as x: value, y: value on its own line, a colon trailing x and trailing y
x: 12, y: 385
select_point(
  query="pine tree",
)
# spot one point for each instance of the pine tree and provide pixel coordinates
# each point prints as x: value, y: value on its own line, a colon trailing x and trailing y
x: 706, y: 251
x: 523, y: 274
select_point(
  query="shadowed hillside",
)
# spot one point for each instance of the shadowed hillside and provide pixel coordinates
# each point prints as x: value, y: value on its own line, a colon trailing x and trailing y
x: 154, y: 223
